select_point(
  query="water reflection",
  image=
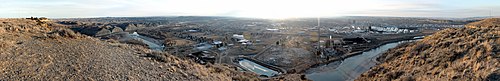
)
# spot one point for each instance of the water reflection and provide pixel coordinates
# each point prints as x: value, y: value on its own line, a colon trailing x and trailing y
x: 352, y: 67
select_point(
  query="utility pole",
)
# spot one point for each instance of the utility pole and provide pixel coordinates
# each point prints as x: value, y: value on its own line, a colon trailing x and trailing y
x: 319, y: 37
x: 490, y: 13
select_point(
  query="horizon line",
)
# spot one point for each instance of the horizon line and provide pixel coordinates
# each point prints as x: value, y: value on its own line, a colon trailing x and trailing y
x: 252, y: 17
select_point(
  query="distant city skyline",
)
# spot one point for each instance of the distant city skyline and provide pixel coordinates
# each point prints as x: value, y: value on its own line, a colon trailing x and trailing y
x: 249, y: 8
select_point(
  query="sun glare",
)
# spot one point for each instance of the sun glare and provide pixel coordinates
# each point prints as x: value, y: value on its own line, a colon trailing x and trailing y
x: 281, y: 9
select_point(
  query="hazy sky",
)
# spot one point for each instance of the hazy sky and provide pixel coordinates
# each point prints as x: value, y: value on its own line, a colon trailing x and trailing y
x: 249, y: 8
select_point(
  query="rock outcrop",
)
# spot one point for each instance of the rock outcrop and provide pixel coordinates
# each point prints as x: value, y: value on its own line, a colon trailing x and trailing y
x: 116, y: 30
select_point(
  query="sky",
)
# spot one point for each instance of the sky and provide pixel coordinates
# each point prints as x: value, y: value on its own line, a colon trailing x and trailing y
x: 248, y: 8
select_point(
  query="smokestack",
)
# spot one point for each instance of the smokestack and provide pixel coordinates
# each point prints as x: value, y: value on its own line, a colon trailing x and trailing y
x: 319, y: 36
x: 490, y: 13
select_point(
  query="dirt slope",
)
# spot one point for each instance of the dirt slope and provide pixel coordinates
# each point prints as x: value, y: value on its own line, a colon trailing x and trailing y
x: 487, y: 23
x: 465, y: 54
x: 31, y: 50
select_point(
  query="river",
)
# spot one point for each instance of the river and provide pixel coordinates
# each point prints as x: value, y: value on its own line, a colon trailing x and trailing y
x: 350, y: 68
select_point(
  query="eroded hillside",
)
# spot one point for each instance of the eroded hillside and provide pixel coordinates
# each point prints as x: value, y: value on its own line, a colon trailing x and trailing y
x: 469, y: 54
x: 31, y: 50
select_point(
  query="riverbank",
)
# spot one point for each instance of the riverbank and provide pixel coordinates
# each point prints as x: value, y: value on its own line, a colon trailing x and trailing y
x: 300, y: 74
x: 352, y: 67
x: 369, y: 46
